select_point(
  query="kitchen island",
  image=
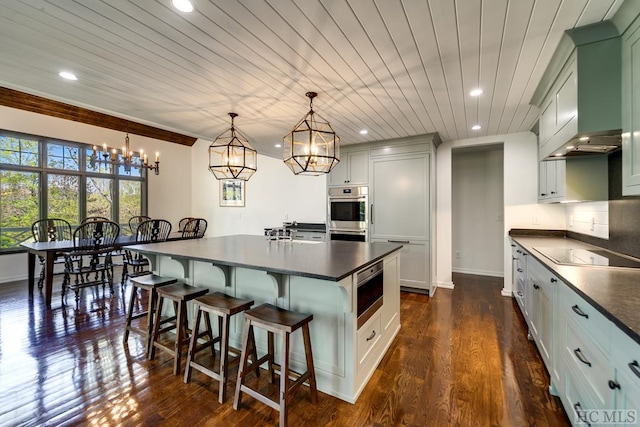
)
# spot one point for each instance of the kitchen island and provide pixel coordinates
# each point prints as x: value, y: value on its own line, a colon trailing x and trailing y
x: 308, y: 277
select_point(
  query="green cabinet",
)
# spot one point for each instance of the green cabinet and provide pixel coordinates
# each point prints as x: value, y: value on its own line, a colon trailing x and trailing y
x: 631, y: 110
x: 353, y: 169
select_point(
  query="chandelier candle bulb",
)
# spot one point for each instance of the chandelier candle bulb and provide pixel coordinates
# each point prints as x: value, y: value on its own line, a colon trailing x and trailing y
x: 157, y: 157
x: 114, y: 154
x: 94, y: 150
x: 104, y: 149
x: 145, y: 159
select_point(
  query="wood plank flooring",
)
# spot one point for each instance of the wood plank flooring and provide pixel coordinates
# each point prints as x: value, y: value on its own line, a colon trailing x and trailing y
x: 462, y: 358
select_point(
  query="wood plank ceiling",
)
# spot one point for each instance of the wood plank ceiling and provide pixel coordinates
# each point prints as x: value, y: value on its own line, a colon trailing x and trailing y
x: 394, y: 67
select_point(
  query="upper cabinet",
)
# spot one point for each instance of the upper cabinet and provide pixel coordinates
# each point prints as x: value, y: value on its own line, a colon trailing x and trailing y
x: 353, y: 169
x: 579, y: 95
x: 573, y: 179
x: 631, y: 110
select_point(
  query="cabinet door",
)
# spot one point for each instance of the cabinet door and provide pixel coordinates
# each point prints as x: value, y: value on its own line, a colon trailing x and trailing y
x: 339, y: 175
x: 391, y: 296
x: 548, y: 121
x: 545, y: 323
x: 400, y: 198
x: 631, y: 111
x: 414, y: 263
x: 358, y: 167
x: 543, y: 192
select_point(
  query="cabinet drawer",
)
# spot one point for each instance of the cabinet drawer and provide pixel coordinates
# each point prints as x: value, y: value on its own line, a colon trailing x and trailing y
x: 583, y: 356
x: 626, y: 356
x: 576, y: 399
x: 595, y: 325
x: 368, y: 336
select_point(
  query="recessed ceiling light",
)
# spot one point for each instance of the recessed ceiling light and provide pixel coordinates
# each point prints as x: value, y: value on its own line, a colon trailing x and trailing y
x: 278, y: 145
x: 476, y: 127
x: 182, y: 5
x: 364, y: 132
x: 476, y: 92
x: 67, y: 75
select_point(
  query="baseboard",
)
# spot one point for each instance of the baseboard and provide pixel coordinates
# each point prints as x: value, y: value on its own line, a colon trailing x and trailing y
x: 478, y: 272
x: 13, y: 279
x: 445, y: 285
x: 506, y: 292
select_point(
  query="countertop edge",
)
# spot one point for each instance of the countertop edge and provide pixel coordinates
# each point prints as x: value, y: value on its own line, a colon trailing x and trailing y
x: 548, y: 264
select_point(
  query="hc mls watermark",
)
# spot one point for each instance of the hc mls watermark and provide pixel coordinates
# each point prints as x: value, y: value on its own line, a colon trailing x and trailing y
x: 606, y: 416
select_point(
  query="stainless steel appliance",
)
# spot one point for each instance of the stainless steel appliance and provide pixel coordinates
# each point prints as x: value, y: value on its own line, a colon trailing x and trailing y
x: 370, y: 285
x: 348, y: 213
x: 588, y: 257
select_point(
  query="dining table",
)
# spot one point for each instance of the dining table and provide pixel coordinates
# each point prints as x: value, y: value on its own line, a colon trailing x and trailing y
x: 51, y: 250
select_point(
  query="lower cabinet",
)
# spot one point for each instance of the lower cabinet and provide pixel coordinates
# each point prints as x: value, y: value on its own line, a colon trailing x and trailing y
x: 414, y: 262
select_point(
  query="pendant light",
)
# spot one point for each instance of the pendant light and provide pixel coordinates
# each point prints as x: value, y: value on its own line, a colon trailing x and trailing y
x: 231, y: 156
x: 312, y: 147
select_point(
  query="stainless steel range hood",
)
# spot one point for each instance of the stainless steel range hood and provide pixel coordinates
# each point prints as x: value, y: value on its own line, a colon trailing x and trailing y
x: 595, y: 143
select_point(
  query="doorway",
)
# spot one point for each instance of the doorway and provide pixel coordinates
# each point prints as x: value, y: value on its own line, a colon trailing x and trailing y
x: 477, y: 203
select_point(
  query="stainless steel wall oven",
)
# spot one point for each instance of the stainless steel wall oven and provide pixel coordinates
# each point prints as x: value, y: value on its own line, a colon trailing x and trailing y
x: 349, y: 213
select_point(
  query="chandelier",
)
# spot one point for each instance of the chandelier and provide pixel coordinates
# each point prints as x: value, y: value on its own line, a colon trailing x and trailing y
x: 312, y: 147
x: 231, y: 156
x: 126, y: 159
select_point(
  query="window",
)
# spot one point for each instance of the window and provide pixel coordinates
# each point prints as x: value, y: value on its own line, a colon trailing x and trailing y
x: 41, y: 177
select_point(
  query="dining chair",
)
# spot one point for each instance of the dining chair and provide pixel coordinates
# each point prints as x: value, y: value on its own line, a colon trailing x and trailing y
x: 183, y: 222
x: 93, y: 242
x: 94, y: 219
x: 194, y: 228
x: 50, y: 230
x: 152, y: 230
x: 134, y: 221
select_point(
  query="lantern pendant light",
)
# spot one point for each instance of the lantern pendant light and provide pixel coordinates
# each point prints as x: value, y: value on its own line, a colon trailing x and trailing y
x: 231, y: 156
x: 312, y: 147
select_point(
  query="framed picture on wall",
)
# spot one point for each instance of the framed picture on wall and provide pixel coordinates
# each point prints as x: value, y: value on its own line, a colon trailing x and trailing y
x: 232, y: 192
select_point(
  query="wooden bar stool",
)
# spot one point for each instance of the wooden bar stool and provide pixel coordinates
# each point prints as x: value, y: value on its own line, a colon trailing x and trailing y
x: 150, y: 283
x: 282, y: 322
x: 223, y: 306
x: 179, y: 293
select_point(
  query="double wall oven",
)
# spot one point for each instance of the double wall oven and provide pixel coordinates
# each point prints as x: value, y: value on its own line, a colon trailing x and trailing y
x: 349, y: 213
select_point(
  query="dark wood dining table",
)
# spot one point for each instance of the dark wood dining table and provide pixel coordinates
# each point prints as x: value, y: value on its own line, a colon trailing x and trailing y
x: 50, y: 250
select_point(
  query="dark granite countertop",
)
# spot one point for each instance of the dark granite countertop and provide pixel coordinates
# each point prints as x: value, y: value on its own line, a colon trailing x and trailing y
x: 332, y: 260
x: 615, y: 292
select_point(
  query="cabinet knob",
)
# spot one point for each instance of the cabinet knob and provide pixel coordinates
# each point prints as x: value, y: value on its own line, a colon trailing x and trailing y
x: 543, y: 194
x: 614, y: 385
x: 520, y: 270
x: 553, y: 192
x: 536, y: 286
x: 553, y: 280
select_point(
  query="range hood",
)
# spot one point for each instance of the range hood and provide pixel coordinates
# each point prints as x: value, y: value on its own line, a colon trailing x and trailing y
x: 580, y: 94
x: 595, y: 143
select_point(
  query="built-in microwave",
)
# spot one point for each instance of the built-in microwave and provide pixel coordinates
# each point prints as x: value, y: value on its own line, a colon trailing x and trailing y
x: 348, y: 209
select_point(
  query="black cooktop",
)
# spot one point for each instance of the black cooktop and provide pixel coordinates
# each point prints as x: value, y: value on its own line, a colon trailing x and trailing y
x: 587, y: 257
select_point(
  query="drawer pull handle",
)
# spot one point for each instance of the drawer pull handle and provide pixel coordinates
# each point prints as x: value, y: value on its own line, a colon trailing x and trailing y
x: 520, y: 293
x: 536, y: 286
x: 580, y: 413
x: 519, y: 251
x: 373, y: 334
x: 406, y: 242
x: 520, y: 270
x: 579, y: 312
x: 581, y: 358
x: 554, y: 280
x: 613, y: 385
x: 513, y: 246
x: 634, y: 368
x: 524, y: 253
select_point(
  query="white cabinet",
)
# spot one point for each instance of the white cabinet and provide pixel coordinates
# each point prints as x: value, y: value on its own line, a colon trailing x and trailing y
x: 627, y: 382
x: 573, y: 179
x: 353, y: 169
x: 519, y: 280
x: 399, y: 200
x: 541, y: 314
x: 551, y: 176
x: 631, y: 110
x: 558, y: 121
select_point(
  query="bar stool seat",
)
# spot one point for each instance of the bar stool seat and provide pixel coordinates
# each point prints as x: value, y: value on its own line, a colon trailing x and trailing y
x: 148, y: 282
x: 180, y: 294
x: 283, y: 322
x: 223, y: 306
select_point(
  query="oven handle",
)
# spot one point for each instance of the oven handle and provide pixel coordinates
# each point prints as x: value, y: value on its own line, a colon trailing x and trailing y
x: 368, y: 279
x: 353, y: 232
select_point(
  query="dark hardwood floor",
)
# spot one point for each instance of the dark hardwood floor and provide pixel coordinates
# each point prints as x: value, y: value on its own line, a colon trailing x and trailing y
x: 461, y: 358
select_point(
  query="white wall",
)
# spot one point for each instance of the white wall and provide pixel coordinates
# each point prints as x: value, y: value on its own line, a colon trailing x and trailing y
x: 273, y: 194
x: 169, y: 192
x: 521, y: 209
x: 477, y: 211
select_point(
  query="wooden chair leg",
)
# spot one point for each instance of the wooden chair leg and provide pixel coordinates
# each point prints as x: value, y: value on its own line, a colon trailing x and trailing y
x: 224, y: 357
x: 247, y: 331
x: 310, y: 368
x: 193, y: 342
x: 156, y: 328
x: 180, y: 336
x: 127, y: 323
x: 151, y: 318
x: 271, y: 351
x: 284, y: 380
